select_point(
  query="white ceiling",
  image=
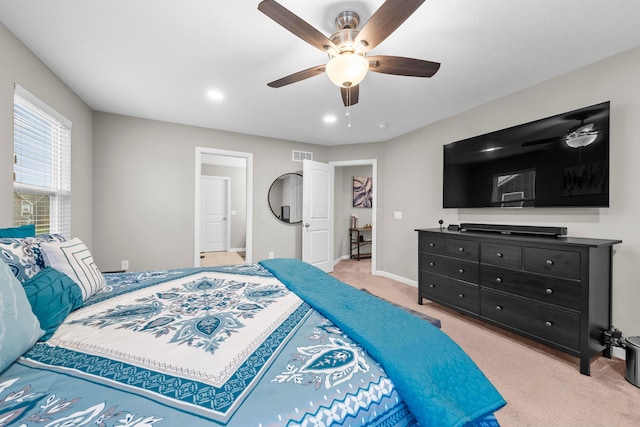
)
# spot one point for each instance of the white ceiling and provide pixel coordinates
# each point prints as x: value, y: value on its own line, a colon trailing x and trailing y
x: 157, y: 59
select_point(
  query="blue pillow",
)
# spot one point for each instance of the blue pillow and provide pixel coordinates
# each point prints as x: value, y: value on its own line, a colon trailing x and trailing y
x: 28, y: 230
x: 19, y: 327
x: 53, y: 295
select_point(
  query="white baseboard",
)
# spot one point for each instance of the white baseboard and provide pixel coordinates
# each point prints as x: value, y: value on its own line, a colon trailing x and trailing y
x: 237, y: 249
x: 620, y: 353
x: 396, y: 278
x: 342, y: 258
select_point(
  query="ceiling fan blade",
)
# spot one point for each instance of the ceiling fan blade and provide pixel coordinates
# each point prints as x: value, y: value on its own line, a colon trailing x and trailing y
x: 296, y: 77
x: 402, y: 66
x: 296, y: 25
x: 541, y: 142
x: 385, y: 21
x: 350, y: 95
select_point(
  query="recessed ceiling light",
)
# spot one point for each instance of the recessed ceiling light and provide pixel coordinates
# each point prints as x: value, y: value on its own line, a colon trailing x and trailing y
x: 215, y: 95
x: 329, y: 119
x: 383, y: 125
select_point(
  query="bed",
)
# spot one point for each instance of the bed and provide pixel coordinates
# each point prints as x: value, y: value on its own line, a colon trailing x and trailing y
x: 278, y: 343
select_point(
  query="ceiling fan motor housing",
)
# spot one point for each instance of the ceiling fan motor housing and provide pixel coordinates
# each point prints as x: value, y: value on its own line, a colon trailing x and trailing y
x: 347, y: 31
x: 347, y: 20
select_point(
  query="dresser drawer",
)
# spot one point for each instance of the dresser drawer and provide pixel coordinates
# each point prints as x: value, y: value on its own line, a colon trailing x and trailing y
x: 502, y: 255
x: 552, y: 262
x: 451, y: 267
x: 562, y: 292
x: 432, y: 244
x: 463, y: 249
x: 554, y: 324
x: 449, y: 291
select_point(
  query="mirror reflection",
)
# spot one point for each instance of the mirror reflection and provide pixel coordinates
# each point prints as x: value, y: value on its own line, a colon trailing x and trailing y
x: 285, y: 198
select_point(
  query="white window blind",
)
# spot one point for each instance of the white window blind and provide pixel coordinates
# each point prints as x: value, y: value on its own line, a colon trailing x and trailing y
x: 42, y: 165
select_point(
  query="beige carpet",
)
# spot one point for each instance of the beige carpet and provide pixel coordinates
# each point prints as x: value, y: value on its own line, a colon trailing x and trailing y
x: 542, y: 386
x: 214, y: 259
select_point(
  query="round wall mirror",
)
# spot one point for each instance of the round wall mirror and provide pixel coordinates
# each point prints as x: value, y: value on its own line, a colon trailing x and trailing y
x: 285, y: 198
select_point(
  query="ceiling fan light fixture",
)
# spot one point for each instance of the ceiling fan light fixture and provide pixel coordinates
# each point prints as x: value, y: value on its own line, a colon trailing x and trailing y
x: 347, y: 69
x: 582, y: 136
x: 581, y: 141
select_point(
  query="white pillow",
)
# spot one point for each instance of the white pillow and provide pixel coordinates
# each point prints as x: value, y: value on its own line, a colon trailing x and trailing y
x: 74, y: 259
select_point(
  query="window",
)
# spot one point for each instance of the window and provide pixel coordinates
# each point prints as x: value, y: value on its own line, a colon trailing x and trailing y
x: 514, y: 189
x: 42, y: 165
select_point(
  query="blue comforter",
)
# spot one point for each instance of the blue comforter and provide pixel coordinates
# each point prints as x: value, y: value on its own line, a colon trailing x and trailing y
x: 439, y: 383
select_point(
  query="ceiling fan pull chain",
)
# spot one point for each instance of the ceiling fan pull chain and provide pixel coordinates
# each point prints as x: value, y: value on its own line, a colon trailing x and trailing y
x: 348, y: 107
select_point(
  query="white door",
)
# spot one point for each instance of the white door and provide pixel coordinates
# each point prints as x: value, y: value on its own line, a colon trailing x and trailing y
x: 214, y: 205
x: 317, y: 214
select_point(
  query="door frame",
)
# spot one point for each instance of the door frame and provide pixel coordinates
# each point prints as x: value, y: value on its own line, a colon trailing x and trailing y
x: 199, y: 153
x: 227, y: 213
x: 374, y: 197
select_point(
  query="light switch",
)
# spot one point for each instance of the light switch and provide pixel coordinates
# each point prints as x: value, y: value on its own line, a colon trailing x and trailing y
x: 233, y: 212
x: 397, y: 214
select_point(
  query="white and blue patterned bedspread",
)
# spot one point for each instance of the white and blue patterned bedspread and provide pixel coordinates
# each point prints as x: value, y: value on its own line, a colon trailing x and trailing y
x: 221, y: 346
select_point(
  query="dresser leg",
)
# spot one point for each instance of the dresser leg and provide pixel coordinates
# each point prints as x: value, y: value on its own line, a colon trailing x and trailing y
x: 585, y: 365
x: 419, y: 299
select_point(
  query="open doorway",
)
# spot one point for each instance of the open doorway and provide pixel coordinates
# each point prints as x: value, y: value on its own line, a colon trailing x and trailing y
x: 344, y: 208
x: 236, y: 168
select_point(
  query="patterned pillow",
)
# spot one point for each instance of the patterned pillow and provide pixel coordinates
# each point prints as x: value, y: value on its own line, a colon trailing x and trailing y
x: 74, y: 259
x: 53, y: 295
x: 19, y: 327
x: 23, y: 254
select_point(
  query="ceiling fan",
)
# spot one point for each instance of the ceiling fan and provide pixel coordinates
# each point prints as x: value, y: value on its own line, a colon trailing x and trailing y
x: 347, y: 47
x: 578, y: 136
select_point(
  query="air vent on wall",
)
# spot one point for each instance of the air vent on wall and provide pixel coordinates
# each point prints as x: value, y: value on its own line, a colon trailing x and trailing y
x: 298, y: 156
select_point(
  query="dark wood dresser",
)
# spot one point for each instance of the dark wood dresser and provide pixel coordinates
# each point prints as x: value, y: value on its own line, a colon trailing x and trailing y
x: 554, y: 290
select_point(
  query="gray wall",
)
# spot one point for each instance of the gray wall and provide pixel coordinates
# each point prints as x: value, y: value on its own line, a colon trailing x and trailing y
x: 144, y: 185
x: 20, y: 66
x: 237, y: 187
x: 413, y: 175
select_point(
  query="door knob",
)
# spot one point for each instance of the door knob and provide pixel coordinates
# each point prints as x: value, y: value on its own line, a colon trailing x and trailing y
x: 306, y: 224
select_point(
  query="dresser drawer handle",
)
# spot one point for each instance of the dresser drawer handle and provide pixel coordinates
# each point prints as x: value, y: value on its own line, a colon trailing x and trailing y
x: 498, y: 307
x: 432, y: 264
x: 549, y: 262
x: 548, y: 324
x: 460, y: 249
x: 432, y: 285
x: 461, y: 270
x: 432, y: 244
x: 499, y: 279
x: 460, y: 295
x: 499, y: 254
x: 548, y: 291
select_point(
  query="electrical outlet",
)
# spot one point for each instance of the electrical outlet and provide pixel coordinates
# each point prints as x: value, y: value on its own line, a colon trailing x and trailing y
x: 124, y: 265
x: 271, y: 255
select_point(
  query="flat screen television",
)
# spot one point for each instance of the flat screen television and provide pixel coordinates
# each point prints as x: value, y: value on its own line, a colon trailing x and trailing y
x: 559, y: 161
